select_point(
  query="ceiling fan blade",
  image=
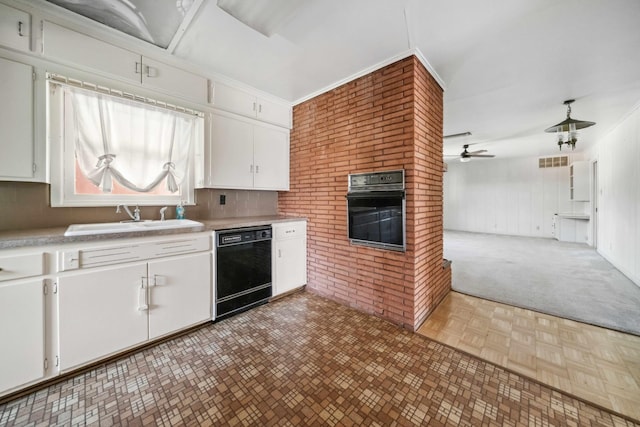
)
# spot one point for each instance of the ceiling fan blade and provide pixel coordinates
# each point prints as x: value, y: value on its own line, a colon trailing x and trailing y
x: 455, y: 135
x: 477, y: 152
x: 481, y: 155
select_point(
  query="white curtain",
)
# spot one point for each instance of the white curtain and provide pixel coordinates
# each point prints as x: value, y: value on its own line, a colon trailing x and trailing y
x: 136, y: 144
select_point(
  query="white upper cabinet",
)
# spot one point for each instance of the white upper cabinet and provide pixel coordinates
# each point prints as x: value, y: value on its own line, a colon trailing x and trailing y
x: 163, y: 77
x: 273, y: 112
x: 230, y: 156
x: 61, y: 44
x: 67, y: 46
x: 238, y: 101
x: 17, y: 161
x: 15, y: 28
x: 245, y: 154
x: 271, y: 158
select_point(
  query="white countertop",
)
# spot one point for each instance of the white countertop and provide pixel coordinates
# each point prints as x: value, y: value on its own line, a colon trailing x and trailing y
x: 48, y: 236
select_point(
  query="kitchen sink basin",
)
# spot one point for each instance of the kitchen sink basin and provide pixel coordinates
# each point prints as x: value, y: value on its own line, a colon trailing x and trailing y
x: 168, y: 223
x: 128, y: 227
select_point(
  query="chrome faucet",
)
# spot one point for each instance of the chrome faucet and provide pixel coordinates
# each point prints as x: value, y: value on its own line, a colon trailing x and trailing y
x: 135, y: 216
x: 162, y: 211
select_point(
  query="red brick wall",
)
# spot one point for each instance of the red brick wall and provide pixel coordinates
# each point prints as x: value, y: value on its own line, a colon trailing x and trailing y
x: 371, y: 124
x: 432, y: 282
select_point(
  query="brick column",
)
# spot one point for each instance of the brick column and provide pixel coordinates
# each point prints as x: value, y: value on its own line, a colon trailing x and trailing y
x: 389, y: 119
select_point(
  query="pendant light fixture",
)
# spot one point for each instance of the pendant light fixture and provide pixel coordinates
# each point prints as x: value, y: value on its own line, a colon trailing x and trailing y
x: 567, y: 130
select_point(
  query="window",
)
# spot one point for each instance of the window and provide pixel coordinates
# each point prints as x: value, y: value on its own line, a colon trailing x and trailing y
x: 112, y: 149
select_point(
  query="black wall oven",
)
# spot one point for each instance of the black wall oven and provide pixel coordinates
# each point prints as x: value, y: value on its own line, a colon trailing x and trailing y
x: 243, y: 269
x: 376, y: 206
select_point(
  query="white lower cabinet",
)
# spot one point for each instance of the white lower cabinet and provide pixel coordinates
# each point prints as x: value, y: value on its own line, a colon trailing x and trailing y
x: 179, y: 293
x: 22, y: 333
x: 289, y: 256
x: 105, y: 309
x: 101, y: 312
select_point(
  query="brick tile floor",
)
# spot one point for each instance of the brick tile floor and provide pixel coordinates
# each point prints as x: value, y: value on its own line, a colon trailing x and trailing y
x: 302, y: 360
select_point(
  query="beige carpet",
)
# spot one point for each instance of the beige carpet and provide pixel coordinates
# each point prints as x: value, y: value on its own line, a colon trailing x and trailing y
x: 568, y: 280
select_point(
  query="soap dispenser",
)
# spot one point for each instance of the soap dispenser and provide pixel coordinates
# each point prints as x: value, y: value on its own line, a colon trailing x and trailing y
x: 180, y: 211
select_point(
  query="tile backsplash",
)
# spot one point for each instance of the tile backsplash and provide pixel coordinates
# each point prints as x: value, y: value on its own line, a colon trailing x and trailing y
x: 25, y: 205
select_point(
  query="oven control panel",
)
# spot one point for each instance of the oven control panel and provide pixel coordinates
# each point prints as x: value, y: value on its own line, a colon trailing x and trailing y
x: 373, y: 181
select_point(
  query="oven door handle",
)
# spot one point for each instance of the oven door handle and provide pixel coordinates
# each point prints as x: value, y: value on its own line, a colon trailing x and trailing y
x: 374, y: 194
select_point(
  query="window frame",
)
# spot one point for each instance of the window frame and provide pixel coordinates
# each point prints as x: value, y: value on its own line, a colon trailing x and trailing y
x: 63, y: 164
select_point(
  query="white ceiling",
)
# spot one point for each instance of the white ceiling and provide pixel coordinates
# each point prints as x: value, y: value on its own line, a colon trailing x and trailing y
x: 507, y: 65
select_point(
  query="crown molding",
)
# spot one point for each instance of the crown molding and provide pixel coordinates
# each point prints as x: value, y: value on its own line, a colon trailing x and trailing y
x: 411, y: 52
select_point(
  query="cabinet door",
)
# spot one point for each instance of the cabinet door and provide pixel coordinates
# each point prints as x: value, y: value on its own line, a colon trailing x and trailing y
x: 101, y: 312
x: 567, y: 230
x: 166, y: 78
x: 234, y: 100
x: 61, y: 44
x: 179, y: 293
x: 231, y: 153
x: 15, y: 28
x: 290, y: 265
x: 21, y: 333
x: 579, y: 181
x: 272, y: 112
x: 271, y: 157
x: 16, y: 121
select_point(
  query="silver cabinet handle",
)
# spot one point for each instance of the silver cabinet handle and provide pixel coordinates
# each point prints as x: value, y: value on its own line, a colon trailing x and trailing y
x: 250, y: 168
x: 257, y: 168
x: 143, y: 304
x: 151, y: 71
x: 138, y: 67
x: 20, y: 24
x: 259, y: 108
x: 279, y: 253
x: 254, y: 106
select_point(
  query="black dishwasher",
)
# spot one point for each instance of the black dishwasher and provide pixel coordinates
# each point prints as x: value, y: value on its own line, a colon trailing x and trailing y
x: 243, y: 269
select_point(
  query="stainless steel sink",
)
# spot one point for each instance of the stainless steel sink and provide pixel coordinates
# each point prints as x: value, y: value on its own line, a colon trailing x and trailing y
x: 128, y: 227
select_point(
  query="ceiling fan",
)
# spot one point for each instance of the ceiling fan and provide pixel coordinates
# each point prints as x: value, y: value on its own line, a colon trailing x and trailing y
x: 466, y: 155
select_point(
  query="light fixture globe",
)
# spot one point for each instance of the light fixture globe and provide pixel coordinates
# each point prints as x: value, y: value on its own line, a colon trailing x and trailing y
x: 567, y: 129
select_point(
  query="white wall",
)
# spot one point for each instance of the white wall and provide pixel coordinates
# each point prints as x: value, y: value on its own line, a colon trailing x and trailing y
x: 507, y: 196
x: 618, y: 157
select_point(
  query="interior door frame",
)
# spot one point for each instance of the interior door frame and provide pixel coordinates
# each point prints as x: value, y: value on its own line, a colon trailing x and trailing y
x: 594, y: 204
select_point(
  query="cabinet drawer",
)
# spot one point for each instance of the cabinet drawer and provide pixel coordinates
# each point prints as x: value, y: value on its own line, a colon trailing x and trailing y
x: 290, y: 230
x: 78, y: 258
x: 105, y: 256
x: 178, y: 246
x: 19, y: 266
